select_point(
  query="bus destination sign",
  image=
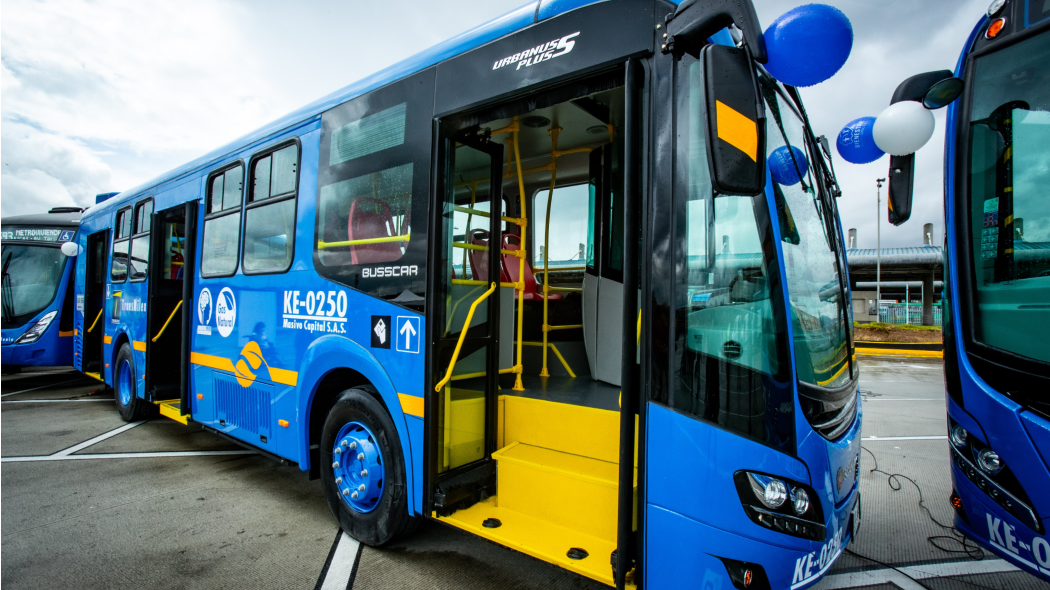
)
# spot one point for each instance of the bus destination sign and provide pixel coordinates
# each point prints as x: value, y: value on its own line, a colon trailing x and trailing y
x: 37, y: 234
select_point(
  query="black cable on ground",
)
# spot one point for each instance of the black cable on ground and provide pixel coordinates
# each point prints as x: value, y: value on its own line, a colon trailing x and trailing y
x: 955, y: 536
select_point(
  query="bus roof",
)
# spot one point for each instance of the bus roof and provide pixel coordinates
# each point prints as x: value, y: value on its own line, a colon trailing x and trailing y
x: 532, y: 12
x: 59, y: 218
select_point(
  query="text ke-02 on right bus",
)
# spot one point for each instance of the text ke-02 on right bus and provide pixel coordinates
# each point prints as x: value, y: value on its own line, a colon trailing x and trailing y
x: 541, y: 282
x: 997, y: 278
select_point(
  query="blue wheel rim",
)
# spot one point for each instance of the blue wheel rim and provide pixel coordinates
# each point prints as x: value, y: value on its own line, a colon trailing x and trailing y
x: 125, y: 382
x: 357, y: 467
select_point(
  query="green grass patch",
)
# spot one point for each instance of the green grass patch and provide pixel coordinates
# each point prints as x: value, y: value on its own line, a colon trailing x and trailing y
x: 880, y: 327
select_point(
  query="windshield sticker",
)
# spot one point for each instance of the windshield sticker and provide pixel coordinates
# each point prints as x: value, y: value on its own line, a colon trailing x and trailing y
x: 225, y: 312
x: 316, y: 311
x: 35, y: 234
x: 204, y: 309
x: 540, y: 53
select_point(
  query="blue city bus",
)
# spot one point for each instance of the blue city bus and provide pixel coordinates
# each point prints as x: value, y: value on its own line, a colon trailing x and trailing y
x: 37, y: 310
x: 997, y: 277
x: 537, y: 283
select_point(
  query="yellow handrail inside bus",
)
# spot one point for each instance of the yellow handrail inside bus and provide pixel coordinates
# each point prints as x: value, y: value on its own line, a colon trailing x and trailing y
x: 168, y: 321
x: 95, y: 322
x: 321, y: 244
x: 462, y: 336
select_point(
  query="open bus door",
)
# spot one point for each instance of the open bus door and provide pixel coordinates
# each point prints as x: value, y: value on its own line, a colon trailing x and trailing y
x: 467, y: 336
x: 94, y: 304
x: 170, y: 309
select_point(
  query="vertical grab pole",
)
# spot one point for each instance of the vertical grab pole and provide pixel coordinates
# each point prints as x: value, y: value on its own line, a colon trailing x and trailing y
x: 547, y: 243
x: 625, y: 549
x: 522, y: 223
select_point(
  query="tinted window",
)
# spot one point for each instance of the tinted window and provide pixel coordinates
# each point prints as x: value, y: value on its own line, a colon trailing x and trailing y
x: 269, y: 223
x: 222, y: 224
x: 373, y: 184
x: 139, y: 262
x: 118, y: 269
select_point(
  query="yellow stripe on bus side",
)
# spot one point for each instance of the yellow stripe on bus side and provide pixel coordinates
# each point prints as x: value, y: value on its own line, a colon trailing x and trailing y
x: 139, y: 346
x: 736, y: 129
x: 279, y: 376
x: 411, y: 405
x: 107, y: 339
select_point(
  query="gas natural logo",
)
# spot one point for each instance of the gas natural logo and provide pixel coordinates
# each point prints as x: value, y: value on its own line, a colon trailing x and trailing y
x: 540, y: 53
x: 225, y: 312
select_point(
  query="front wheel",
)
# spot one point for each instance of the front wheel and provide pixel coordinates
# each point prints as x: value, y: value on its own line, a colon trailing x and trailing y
x: 130, y: 406
x: 363, y: 469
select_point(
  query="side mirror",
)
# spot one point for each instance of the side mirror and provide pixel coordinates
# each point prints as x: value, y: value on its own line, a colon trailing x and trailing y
x: 736, y: 131
x: 70, y: 249
x: 902, y: 179
x: 934, y: 90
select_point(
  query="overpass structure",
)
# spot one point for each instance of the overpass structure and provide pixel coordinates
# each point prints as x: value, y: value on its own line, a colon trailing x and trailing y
x: 905, y: 274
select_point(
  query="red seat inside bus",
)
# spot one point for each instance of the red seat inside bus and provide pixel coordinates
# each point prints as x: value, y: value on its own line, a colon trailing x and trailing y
x: 511, y: 267
x: 371, y: 218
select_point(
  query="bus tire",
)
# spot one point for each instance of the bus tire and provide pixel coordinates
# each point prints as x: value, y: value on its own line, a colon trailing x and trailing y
x: 369, y: 495
x: 130, y: 406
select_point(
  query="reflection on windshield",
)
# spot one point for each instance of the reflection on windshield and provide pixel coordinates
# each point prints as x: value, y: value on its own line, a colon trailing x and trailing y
x: 1010, y: 198
x: 730, y: 356
x: 818, y: 314
x: 30, y: 278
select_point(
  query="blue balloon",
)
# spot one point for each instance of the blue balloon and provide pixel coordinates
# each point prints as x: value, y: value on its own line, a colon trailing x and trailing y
x: 856, y: 144
x: 785, y: 170
x: 808, y: 44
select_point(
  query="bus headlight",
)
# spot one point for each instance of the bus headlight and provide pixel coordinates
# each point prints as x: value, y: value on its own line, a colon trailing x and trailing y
x: 769, y: 490
x: 799, y: 500
x: 959, y: 436
x: 989, y: 461
x: 33, y: 334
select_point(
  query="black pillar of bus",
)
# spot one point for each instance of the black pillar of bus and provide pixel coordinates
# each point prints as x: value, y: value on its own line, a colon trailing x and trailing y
x: 625, y: 548
x: 189, y: 271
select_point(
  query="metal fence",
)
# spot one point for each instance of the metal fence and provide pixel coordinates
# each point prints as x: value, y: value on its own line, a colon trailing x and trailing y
x: 901, y: 313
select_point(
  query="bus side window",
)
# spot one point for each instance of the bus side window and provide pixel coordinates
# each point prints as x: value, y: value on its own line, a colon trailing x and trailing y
x: 269, y: 218
x: 118, y: 270
x: 222, y: 222
x: 140, y: 241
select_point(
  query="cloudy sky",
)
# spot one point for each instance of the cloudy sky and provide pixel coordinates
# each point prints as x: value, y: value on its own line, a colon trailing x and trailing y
x: 103, y: 95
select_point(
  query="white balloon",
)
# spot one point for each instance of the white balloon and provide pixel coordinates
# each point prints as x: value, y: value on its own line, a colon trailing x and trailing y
x: 903, y: 128
x: 70, y: 249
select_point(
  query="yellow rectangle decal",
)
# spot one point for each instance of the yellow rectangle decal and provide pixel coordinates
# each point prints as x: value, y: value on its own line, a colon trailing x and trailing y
x: 736, y: 129
x: 139, y: 346
x: 107, y: 339
x: 411, y: 405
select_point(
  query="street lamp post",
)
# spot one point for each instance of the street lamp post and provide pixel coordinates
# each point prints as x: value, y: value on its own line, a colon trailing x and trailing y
x: 878, y: 251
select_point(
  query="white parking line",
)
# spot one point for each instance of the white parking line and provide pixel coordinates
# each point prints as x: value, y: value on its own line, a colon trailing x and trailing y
x: 341, y: 567
x: 904, y: 399
x: 145, y: 455
x: 45, y: 386
x: 905, y: 577
x: 889, y: 438
x: 97, y: 439
x: 51, y: 401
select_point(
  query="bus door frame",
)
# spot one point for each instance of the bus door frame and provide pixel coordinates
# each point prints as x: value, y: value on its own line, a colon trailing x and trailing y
x: 465, y: 485
x: 153, y: 323
x: 95, y: 264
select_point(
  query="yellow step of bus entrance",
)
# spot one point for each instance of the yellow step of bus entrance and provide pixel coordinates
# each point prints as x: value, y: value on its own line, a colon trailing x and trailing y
x: 172, y: 408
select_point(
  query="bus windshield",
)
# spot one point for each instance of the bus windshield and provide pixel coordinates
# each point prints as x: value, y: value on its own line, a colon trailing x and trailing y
x: 1009, y: 184
x: 31, y: 275
x: 809, y: 240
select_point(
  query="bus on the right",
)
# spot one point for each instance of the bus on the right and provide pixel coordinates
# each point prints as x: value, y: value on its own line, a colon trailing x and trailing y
x: 997, y: 281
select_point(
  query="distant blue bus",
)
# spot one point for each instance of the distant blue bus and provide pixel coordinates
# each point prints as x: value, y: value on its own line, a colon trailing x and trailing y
x: 37, y: 291
x: 996, y: 314
x: 520, y: 284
